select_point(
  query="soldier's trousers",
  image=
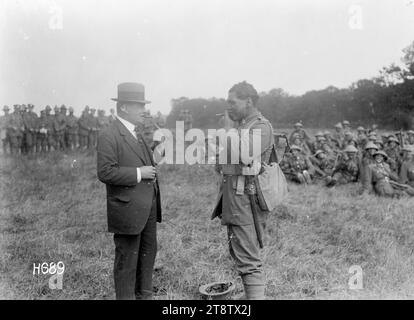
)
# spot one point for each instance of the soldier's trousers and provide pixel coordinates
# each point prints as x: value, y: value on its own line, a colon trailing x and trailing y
x: 15, y: 144
x: 71, y: 140
x: 92, y: 138
x: 41, y: 142
x: 245, y: 250
x: 50, y: 142
x: 30, y: 139
x: 83, y: 141
x: 60, y: 141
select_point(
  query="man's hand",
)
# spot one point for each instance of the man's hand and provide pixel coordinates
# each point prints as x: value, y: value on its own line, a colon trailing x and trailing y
x: 148, y: 172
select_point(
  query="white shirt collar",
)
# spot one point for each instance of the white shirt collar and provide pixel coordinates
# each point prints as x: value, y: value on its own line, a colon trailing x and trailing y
x: 130, y: 127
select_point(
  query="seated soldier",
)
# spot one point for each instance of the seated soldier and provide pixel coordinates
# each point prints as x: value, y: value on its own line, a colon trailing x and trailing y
x: 347, y: 168
x: 380, y: 178
x: 297, y: 141
x: 316, y: 145
x: 368, y: 155
x: 393, y: 152
x: 407, y: 169
x: 297, y: 167
x: 349, y: 140
x: 362, y: 138
x: 323, y: 164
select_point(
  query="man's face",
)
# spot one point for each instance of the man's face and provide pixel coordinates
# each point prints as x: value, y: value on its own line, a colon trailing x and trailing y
x: 392, y: 144
x: 337, y: 129
x: 236, y: 107
x: 321, y: 156
x: 379, y: 158
x: 351, y: 155
x: 134, y: 112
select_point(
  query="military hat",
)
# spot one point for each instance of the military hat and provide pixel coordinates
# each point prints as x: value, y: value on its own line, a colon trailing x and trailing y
x: 296, y: 136
x: 6, y: 108
x: 318, y: 152
x: 346, y: 122
x: 338, y: 125
x: 382, y: 153
x: 23, y: 107
x: 319, y: 134
x: 298, y: 124
x: 86, y: 107
x: 31, y: 106
x: 70, y: 109
x: 372, y: 137
x: 62, y: 107
x: 350, y: 149
x: 410, y: 132
x: 360, y: 129
x: 48, y: 107
x: 371, y: 145
x: 327, y: 133
x: 348, y: 133
x: 55, y: 108
x: 295, y: 147
x: 393, y: 139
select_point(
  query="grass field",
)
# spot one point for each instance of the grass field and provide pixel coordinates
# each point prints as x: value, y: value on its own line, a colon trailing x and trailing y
x: 54, y: 210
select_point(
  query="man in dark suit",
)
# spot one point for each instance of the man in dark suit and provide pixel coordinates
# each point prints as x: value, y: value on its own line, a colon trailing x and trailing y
x: 126, y: 166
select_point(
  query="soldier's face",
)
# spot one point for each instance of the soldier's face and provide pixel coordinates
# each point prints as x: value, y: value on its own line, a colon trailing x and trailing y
x: 379, y: 158
x: 351, y: 155
x: 393, y: 144
x: 237, y: 108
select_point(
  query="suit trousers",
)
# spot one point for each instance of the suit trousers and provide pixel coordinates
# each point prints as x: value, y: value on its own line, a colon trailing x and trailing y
x: 134, y: 261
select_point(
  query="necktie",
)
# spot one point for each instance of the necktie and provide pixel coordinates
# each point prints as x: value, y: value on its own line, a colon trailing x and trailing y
x: 138, y: 131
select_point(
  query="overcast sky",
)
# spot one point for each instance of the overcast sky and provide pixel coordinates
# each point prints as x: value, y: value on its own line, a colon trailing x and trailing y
x: 192, y: 48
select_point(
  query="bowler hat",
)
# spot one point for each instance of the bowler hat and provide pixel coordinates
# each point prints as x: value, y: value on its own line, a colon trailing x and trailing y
x: 131, y: 92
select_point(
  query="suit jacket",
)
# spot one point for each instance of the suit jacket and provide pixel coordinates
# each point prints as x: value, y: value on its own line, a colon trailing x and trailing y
x: 129, y: 203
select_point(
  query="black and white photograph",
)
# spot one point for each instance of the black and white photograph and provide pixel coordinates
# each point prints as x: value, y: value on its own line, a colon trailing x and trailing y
x: 219, y: 151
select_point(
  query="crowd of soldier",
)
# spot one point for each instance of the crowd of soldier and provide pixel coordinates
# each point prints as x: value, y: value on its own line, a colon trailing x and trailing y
x: 24, y: 132
x: 382, y: 164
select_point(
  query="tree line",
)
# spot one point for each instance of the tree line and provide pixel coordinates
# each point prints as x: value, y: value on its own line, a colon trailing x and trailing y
x: 386, y: 100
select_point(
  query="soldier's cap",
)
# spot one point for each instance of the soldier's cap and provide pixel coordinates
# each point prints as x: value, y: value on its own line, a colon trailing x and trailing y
x: 295, y: 147
x: 393, y: 139
x: 351, y: 149
x: 63, y: 107
x: 322, y: 139
x: 382, y: 153
x: 298, y: 124
x: 410, y: 132
x: 360, y: 129
x: 338, y: 125
x: 371, y: 145
x: 86, y: 107
x: 327, y: 133
x: 6, y: 108
x: 319, y: 134
x: 48, y: 107
x: 31, y: 106
x: 348, y: 133
x: 296, y: 136
x: 318, y: 152
x: 55, y: 107
x: 346, y: 122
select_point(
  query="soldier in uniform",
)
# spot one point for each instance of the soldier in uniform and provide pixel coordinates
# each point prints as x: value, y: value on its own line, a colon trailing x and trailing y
x: 393, y: 152
x: 303, y: 135
x: 349, y: 140
x: 71, y: 130
x: 93, y: 129
x: 15, y: 129
x: 30, y: 120
x: 323, y: 164
x: 60, y: 128
x: 297, y: 141
x: 320, y: 139
x: 382, y: 180
x: 338, y: 136
x: 368, y: 156
x: 347, y: 168
x: 237, y: 204
x: 84, y: 128
x: 112, y: 115
x: 410, y: 138
x: 297, y: 167
x: 329, y: 139
x: 407, y: 169
x: 103, y: 121
x: 4, y: 120
x: 41, y: 140
x: 362, y: 138
x: 50, y: 131
x: 23, y: 116
x: 346, y: 125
